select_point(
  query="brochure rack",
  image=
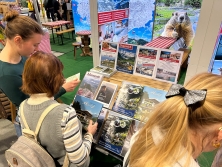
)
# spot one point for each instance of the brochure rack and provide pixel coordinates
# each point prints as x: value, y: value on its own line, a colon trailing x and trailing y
x: 118, y: 78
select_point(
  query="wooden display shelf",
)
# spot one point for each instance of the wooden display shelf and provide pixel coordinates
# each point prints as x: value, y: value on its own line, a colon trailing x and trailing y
x: 119, y: 77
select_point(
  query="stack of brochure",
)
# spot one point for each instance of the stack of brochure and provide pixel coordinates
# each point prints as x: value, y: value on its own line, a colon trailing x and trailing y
x: 105, y: 71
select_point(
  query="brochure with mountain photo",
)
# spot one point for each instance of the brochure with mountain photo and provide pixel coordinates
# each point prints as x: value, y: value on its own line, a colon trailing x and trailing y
x: 108, y: 54
x: 105, y: 71
x: 114, y: 132
x: 126, y: 58
x: 105, y: 93
x: 86, y: 109
x: 146, y: 61
x: 89, y: 85
x: 151, y: 97
x: 128, y: 98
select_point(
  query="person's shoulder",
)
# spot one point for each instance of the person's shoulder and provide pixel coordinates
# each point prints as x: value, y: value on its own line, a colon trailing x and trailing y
x: 64, y: 107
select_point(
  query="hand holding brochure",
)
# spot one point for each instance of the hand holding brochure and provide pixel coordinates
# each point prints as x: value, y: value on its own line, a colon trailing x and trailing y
x: 73, y: 77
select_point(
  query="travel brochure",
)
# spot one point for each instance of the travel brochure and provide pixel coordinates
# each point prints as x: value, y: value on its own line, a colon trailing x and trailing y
x: 130, y: 111
x: 108, y: 56
x: 101, y: 120
x: 150, y: 98
x: 106, y: 93
x: 90, y: 85
x: 126, y: 58
x: 168, y: 65
x: 155, y: 63
x: 146, y: 61
x: 128, y: 99
x: 86, y: 109
x: 114, y: 132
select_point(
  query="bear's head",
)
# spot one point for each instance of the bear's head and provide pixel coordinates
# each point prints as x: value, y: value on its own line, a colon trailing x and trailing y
x: 181, y: 17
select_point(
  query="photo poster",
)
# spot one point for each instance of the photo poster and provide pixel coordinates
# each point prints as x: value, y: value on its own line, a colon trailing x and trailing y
x: 168, y: 65
x: 105, y: 93
x: 126, y: 58
x: 151, y: 97
x: 215, y: 65
x: 141, y: 21
x: 100, y: 120
x: 81, y: 15
x: 86, y: 109
x: 134, y: 127
x: 146, y: 61
x: 114, y: 132
x: 113, y: 20
x: 187, y: 12
x: 89, y: 85
x: 108, y: 54
x: 128, y: 98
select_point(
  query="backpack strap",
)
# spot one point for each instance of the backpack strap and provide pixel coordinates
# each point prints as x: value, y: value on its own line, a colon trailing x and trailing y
x: 34, y: 134
x: 23, y: 116
x: 45, y: 112
x: 27, y: 131
x: 66, y: 161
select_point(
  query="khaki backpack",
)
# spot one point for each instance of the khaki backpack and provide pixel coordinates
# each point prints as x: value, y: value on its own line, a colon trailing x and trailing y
x: 26, y: 151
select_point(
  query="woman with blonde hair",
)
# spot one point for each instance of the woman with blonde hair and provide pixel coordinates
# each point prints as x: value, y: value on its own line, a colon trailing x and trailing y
x: 186, y: 124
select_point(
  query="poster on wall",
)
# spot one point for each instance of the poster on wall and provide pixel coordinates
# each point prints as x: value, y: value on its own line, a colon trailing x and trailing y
x: 168, y: 65
x: 113, y: 20
x: 177, y: 19
x: 81, y: 15
x: 216, y: 61
x: 141, y: 20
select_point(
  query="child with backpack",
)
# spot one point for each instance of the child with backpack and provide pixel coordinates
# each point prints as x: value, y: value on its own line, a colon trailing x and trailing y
x: 60, y: 131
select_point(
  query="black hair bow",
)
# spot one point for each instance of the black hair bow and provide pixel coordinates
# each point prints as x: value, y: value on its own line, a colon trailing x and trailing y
x: 190, y: 96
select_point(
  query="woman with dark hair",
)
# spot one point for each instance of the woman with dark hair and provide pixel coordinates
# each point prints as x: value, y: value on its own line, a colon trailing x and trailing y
x: 60, y: 132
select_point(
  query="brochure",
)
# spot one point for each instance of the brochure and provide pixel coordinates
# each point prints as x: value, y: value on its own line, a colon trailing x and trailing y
x: 114, y: 132
x: 128, y: 99
x: 146, y: 61
x: 106, y: 93
x: 90, y: 85
x: 168, y: 65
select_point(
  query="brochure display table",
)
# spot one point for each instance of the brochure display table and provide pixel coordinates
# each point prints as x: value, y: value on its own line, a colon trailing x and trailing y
x: 85, y: 41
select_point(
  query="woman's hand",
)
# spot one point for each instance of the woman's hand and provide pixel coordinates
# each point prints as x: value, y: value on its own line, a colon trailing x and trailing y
x: 92, y: 127
x: 71, y: 85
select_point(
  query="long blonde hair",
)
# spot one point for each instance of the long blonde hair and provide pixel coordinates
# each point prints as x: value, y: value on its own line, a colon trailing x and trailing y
x: 175, y: 119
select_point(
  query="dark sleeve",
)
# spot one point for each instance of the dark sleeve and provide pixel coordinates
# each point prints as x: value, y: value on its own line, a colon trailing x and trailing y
x: 64, y: 7
x: 61, y: 92
x: 10, y: 85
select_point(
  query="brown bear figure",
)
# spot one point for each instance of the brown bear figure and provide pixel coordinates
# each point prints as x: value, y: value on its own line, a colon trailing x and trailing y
x: 179, y: 26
